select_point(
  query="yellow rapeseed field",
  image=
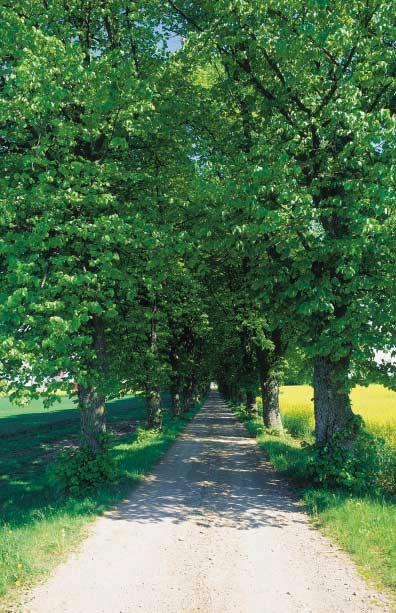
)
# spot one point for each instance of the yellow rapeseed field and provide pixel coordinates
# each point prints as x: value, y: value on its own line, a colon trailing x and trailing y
x: 375, y: 403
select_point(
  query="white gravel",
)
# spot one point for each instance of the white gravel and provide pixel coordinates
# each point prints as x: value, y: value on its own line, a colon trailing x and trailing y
x: 214, y: 529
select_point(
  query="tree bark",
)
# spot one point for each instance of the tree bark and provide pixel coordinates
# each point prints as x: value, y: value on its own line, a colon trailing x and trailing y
x: 176, y: 404
x: 92, y: 417
x: 239, y: 396
x: 153, y: 395
x: 187, y: 399
x: 91, y: 401
x: 154, y: 413
x: 236, y: 395
x: 270, y: 397
x: 250, y: 402
x: 269, y: 392
x: 333, y: 412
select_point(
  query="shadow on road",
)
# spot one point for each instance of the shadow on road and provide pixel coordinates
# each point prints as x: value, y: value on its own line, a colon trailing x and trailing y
x: 215, y: 476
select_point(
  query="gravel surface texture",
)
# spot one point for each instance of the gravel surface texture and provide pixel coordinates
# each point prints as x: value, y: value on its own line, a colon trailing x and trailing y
x: 213, y: 529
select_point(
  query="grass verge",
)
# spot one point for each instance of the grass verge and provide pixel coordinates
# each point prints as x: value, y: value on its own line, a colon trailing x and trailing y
x: 38, y: 524
x: 364, y: 526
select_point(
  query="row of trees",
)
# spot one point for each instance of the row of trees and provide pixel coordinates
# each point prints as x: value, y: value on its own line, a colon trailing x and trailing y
x: 96, y: 168
x: 302, y: 135
x: 212, y: 213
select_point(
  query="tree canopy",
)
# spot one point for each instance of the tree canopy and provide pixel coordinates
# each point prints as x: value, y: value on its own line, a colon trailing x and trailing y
x: 224, y: 211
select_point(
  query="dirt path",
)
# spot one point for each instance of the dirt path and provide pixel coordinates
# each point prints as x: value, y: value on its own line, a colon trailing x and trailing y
x: 213, y: 530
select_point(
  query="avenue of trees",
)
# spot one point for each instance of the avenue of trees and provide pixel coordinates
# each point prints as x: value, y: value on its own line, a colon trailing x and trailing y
x: 218, y: 212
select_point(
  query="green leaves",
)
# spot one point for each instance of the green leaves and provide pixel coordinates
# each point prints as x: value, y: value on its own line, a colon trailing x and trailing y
x: 242, y: 186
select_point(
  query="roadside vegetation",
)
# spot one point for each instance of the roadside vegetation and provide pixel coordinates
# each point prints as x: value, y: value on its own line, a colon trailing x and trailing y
x: 362, y: 523
x: 40, y: 521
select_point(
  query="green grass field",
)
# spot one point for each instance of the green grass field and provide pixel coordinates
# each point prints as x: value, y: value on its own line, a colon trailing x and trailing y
x: 365, y: 526
x: 38, y: 523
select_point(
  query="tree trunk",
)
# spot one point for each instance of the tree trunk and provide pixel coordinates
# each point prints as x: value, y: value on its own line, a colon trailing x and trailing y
x: 92, y: 417
x: 176, y: 405
x: 153, y: 395
x: 187, y: 400
x: 92, y: 402
x: 236, y: 395
x: 250, y: 402
x: 224, y: 389
x: 270, y: 396
x: 154, y: 413
x: 269, y: 393
x: 332, y: 405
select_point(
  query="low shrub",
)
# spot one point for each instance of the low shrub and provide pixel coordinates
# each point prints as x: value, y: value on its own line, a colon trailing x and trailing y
x: 80, y: 469
x: 144, y: 434
x: 367, y: 466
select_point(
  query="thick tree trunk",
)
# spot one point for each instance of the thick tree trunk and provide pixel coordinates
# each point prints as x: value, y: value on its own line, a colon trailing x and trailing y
x: 154, y: 413
x: 270, y: 397
x: 225, y: 390
x: 187, y: 401
x: 92, y: 402
x: 153, y: 395
x: 269, y: 393
x: 175, y: 401
x: 250, y: 402
x: 236, y: 395
x: 332, y: 405
x: 92, y: 417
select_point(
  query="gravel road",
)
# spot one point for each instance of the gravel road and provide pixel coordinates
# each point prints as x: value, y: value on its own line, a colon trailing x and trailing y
x: 212, y: 530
